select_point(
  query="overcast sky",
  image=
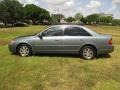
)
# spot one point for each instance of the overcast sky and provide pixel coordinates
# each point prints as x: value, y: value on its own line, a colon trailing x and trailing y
x: 86, y: 7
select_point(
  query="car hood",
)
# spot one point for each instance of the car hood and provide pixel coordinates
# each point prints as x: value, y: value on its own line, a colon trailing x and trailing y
x: 24, y: 37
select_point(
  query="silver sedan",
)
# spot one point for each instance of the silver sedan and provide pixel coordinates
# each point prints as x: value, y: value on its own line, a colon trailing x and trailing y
x: 65, y: 39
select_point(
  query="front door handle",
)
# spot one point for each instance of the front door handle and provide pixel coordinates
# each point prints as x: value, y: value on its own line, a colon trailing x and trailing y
x: 56, y: 40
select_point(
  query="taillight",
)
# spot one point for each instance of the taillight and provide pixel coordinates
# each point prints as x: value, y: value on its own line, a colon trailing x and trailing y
x: 110, y: 42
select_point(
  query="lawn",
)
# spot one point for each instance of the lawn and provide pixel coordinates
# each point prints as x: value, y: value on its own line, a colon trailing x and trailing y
x: 58, y: 72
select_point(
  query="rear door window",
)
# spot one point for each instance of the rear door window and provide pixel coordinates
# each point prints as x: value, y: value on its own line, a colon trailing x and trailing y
x: 75, y: 31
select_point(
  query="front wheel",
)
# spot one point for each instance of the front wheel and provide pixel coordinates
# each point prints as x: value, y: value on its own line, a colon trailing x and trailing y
x: 24, y: 50
x: 88, y: 52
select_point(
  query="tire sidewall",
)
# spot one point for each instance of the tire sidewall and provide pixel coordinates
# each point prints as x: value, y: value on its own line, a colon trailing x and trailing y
x: 30, y: 50
x: 92, y: 48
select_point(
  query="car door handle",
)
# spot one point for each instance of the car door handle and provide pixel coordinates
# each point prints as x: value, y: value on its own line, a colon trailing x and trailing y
x: 56, y: 40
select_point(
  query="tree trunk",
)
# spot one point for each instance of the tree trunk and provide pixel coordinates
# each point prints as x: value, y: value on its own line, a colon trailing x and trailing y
x: 12, y: 23
x: 33, y: 20
x: 5, y: 23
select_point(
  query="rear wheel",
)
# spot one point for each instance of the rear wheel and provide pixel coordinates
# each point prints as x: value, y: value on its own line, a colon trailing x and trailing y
x: 24, y: 50
x: 88, y: 52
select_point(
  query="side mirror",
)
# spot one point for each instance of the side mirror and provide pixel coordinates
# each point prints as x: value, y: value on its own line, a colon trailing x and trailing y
x: 40, y: 36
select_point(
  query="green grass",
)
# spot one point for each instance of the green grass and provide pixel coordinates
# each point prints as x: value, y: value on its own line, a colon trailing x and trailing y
x: 58, y: 72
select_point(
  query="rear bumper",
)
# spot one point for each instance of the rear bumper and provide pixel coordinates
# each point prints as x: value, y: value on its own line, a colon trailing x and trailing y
x: 109, y: 50
x: 106, y: 50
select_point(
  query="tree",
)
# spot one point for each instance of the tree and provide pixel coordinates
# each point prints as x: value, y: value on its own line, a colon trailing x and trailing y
x: 32, y: 12
x: 58, y: 17
x: 35, y: 13
x: 93, y: 18
x: 98, y: 19
x: 78, y: 17
x: 84, y: 20
x: 106, y: 19
x: 70, y: 19
x: 11, y: 11
x: 109, y: 19
x: 116, y: 22
x: 44, y: 15
x: 4, y: 15
x: 54, y: 20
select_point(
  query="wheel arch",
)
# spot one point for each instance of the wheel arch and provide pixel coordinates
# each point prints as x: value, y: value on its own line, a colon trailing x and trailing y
x: 22, y: 43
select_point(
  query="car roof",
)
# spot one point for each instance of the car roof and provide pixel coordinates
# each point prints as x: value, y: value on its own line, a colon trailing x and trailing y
x: 68, y: 25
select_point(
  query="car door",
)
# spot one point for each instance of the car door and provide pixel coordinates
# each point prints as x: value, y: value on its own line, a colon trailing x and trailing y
x: 51, y: 40
x: 73, y: 39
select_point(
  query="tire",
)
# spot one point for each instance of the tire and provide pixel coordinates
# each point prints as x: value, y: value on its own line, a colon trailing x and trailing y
x: 88, y: 52
x: 24, y: 50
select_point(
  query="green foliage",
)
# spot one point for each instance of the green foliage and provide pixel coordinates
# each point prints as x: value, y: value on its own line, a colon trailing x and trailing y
x: 44, y: 15
x: 3, y: 12
x: 105, y: 20
x: 54, y: 20
x: 11, y: 11
x: 36, y: 13
x: 116, y: 22
x: 98, y: 19
x: 93, y: 19
x: 78, y: 17
x: 70, y: 19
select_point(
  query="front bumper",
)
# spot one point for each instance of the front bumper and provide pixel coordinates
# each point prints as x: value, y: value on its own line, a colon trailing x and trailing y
x: 12, y: 48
